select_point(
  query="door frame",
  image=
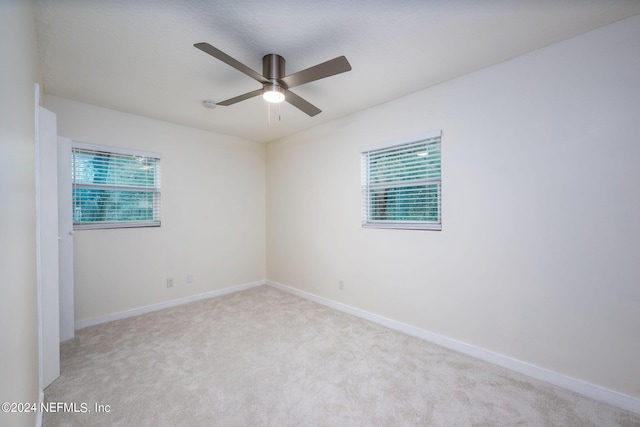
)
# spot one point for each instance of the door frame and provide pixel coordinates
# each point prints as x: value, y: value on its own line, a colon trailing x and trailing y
x: 65, y: 229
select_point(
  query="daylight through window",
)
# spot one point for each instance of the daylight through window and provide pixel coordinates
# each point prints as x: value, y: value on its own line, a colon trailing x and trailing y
x: 401, y: 184
x: 113, y: 188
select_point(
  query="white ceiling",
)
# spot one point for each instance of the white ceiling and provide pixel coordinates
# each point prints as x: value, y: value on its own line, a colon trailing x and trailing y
x: 137, y: 56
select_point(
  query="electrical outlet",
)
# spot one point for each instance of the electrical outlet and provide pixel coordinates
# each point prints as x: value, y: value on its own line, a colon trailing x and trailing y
x: 189, y: 278
x: 341, y: 285
x: 169, y: 282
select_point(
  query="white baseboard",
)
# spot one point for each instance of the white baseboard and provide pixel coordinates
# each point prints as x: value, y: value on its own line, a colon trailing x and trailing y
x: 593, y: 391
x: 81, y: 324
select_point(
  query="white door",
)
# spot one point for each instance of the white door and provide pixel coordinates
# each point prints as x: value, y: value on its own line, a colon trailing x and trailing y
x: 65, y: 227
x: 47, y: 245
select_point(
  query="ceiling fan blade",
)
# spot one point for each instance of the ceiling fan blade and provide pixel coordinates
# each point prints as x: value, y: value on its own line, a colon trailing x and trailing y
x: 326, y: 69
x: 217, y: 53
x: 301, y: 104
x: 239, y: 98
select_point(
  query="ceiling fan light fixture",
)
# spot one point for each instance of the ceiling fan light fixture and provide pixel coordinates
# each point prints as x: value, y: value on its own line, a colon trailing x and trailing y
x: 273, y: 94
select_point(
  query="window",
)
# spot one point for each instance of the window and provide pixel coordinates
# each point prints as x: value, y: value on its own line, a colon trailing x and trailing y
x: 401, y: 184
x: 114, y: 188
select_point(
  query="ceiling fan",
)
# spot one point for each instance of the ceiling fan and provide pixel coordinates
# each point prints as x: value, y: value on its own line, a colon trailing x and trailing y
x: 275, y: 85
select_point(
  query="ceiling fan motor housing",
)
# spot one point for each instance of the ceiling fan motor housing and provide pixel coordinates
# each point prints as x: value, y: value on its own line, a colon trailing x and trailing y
x: 273, y: 69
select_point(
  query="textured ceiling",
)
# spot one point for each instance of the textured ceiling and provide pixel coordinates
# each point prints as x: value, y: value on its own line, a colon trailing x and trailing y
x: 137, y: 56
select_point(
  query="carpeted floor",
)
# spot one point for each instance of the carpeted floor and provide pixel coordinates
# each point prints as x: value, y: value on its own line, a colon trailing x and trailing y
x: 263, y: 357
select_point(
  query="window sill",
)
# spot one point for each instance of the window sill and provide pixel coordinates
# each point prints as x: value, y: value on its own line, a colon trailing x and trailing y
x: 404, y: 226
x: 104, y: 225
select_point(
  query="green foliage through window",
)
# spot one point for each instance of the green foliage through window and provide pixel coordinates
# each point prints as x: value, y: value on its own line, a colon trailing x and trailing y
x: 401, y: 185
x: 114, y: 189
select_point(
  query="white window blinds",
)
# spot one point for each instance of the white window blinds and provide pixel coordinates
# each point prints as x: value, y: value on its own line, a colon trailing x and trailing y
x: 401, y: 184
x: 113, y: 188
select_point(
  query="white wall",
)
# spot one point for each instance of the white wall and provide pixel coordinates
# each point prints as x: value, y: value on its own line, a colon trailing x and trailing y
x: 19, y: 70
x: 213, y: 210
x: 539, y: 256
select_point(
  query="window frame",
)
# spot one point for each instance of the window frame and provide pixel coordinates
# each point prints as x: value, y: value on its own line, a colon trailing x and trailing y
x: 155, y: 190
x: 367, y: 187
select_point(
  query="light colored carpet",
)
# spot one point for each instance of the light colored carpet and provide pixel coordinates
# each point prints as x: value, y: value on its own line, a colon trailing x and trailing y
x: 262, y: 357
